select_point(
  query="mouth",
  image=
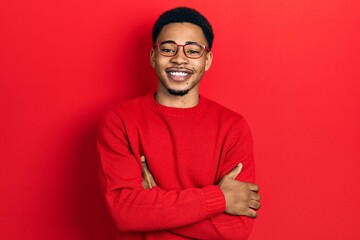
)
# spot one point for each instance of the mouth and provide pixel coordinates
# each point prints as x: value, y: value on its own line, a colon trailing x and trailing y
x: 179, y: 75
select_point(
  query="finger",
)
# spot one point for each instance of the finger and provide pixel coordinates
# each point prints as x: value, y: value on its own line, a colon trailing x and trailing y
x: 253, y: 187
x: 143, y: 164
x: 251, y: 213
x: 145, y: 171
x: 145, y: 184
x: 236, y: 171
x: 254, y: 205
x: 148, y: 179
x: 143, y: 160
x: 255, y: 196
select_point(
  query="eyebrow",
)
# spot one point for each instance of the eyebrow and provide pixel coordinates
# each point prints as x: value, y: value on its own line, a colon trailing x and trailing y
x: 167, y: 41
x: 172, y: 41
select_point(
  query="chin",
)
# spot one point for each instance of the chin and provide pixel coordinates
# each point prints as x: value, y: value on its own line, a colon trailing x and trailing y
x: 178, y: 92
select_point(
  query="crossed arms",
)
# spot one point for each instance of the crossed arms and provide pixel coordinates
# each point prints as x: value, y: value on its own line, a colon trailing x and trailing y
x: 221, y: 211
x: 242, y: 198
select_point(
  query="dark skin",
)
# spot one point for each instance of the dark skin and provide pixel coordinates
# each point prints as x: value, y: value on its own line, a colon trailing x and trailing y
x: 180, y: 73
x: 242, y: 198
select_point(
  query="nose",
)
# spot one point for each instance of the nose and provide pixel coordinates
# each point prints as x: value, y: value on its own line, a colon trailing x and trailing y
x: 180, y: 57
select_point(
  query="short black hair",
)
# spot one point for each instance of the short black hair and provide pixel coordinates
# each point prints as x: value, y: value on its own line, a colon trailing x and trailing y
x: 183, y: 14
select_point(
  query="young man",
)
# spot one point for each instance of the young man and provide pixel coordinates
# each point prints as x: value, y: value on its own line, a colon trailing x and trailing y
x: 197, y: 179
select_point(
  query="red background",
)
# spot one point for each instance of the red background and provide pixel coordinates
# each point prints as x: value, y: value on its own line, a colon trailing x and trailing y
x: 291, y: 67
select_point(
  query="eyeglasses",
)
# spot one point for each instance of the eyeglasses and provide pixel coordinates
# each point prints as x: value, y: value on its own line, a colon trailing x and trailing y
x: 191, y: 50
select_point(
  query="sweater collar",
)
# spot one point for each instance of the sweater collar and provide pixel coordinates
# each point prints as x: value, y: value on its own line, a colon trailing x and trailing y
x: 175, y: 112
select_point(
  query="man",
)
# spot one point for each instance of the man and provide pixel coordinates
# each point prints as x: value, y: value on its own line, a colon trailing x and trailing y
x: 196, y: 181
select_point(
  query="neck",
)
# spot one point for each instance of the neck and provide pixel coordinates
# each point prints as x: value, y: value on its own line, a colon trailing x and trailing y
x: 191, y: 99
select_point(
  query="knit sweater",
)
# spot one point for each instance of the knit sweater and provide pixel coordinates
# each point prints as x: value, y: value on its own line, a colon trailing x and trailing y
x: 188, y: 151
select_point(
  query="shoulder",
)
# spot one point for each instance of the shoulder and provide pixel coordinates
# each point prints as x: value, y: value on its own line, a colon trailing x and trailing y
x: 126, y: 110
x: 129, y: 107
x: 227, y: 120
x: 225, y: 114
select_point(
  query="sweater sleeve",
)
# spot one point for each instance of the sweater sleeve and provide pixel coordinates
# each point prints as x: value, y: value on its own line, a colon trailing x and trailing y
x: 136, y: 209
x: 225, y: 226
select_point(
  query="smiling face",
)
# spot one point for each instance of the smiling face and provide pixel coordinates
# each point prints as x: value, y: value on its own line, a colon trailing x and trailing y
x: 180, y: 75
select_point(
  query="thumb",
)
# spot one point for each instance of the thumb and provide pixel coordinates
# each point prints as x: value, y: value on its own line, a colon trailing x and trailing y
x: 235, y: 172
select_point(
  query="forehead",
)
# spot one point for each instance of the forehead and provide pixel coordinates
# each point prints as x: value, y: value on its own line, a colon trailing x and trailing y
x: 182, y: 33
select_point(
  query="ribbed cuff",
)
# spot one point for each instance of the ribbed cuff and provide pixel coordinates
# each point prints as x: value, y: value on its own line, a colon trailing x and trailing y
x: 215, y: 200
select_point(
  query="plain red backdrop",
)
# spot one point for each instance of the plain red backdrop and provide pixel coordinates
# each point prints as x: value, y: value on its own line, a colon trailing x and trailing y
x: 291, y: 67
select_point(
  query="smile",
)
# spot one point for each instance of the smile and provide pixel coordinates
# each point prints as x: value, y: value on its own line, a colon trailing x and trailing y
x: 179, y: 74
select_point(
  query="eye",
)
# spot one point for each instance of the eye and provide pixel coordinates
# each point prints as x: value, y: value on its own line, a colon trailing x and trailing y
x: 193, y: 50
x: 167, y: 48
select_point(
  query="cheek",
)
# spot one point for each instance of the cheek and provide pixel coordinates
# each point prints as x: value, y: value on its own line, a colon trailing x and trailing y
x: 200, y: 67
x: 160, y: 63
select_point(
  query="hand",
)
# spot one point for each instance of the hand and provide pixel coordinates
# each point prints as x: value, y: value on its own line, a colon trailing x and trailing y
x: 148, y: 181
x: 241, y: 198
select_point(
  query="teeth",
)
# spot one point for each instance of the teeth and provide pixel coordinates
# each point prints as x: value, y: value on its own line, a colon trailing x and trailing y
x: 179, y: 74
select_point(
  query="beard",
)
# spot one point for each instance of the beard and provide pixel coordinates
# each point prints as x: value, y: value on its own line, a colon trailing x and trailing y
x: 178, y: 92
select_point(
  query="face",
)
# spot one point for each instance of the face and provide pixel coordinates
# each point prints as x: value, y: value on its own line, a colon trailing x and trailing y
x: 180, y: 75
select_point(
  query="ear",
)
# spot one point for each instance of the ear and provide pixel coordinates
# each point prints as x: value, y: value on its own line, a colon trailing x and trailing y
x: 208, y: 60
x: 152, y: 57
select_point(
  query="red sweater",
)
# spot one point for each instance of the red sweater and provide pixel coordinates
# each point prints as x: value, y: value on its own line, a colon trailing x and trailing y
x: 188, y: 151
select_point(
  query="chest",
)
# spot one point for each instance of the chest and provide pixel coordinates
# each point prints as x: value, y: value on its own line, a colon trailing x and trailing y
x: 181, y: 154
